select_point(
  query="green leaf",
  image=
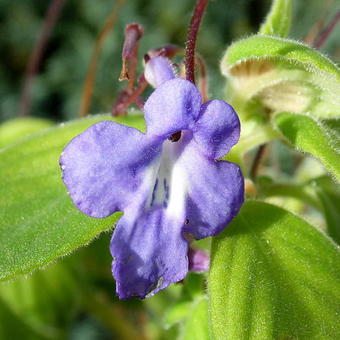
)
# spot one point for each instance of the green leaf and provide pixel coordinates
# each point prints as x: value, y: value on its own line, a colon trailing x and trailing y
x: 298, y: 191
x: 281, y: 75
x: 12, y: 327
x: 45, y: 301
x: 193, y: 286
x: 279, y: 18
x: 329, y: 195
x: 333, y: 128
x: 39, y: 223
x: 306, y: 135
x: 13, y: 130
x: 196, y: 326
x: 273, y: 276
x: 177, y: 313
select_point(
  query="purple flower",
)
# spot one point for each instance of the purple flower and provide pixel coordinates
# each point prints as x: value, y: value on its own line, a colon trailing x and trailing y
x: 166, y: 188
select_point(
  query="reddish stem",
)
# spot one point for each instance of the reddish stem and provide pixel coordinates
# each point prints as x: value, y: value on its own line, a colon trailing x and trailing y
x: 257, y: 160
x: 128, y: 98
x: 168, y: 51
x: 133, y: 33
x: 50, y: 20
x: 327, y: 31
x: 192, y: 38
x: 91, y: 71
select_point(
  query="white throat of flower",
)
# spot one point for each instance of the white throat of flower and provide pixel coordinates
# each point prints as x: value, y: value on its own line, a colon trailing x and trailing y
x: 168, y: 188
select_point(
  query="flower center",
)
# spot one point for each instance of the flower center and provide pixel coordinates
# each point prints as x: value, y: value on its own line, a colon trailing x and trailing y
x: 175, y: 137
x: 168, y: 188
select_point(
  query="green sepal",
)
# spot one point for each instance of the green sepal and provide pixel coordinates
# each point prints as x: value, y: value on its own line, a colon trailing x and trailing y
x: 279, y: 75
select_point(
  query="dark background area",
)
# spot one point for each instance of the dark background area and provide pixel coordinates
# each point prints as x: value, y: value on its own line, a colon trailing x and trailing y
x: 59, y: 82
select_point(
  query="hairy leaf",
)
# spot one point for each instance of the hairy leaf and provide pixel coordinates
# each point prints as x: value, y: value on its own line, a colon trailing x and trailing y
x: 306, y: 135
x: 281, y: 75
x: 278, y: 19
x: 39, y: 222
x: 329, y: 195
x: 273, y: 276
x: 15, y: 129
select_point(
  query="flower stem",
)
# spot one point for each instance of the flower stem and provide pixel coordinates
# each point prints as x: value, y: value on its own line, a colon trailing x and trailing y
x: 133, y: 32
x: 327, y: 31
x: 50, y: 20
x: 191, y: 39
x: 129, y: 97
x: 257, y: 160
x: 91, y: 71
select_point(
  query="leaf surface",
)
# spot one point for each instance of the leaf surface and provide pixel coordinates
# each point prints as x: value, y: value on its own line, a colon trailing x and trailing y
x: 307, y: 135
x: 273, y: 276
x: 329, y: 195
x: 13, y: 130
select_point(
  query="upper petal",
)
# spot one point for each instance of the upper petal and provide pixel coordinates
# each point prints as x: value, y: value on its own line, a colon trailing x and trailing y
x: 149, y: 252
x: 172, y: 107
x: 217, y: 129
x: 105, y: 165
x: 214, y: 192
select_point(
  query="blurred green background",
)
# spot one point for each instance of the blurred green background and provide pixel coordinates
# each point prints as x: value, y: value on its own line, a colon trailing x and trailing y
x: 75, y: 299
x: 59, y: 82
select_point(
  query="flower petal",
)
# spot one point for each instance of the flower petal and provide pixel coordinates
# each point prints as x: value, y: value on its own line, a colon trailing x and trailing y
x: 105, y: 165
x: 158, y: 70
x: 149, y: 253
x: 217, y: 129
x: 172, y: 107
x: 214, y: 192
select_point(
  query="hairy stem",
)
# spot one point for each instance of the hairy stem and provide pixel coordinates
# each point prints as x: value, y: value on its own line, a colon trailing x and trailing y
x: 192, y: 38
